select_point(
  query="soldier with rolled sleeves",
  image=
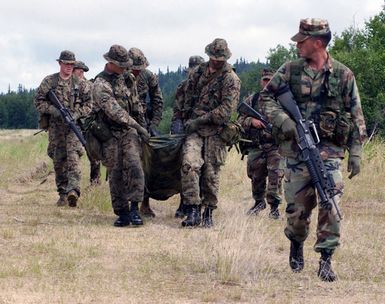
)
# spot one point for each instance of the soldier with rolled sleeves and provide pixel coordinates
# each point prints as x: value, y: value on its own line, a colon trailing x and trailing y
x: 79, y: 69
x: 326, y: 93
x: 178, y: 118
x: 211, y: 96
x: 64, y: 147
x: 263, y: 159
x: 122, y: 151
x: 151, y: 99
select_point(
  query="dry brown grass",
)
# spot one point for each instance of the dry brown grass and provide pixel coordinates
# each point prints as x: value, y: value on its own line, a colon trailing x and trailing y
x: 63, y: 255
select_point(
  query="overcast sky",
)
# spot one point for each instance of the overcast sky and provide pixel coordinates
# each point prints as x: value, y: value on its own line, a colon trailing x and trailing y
x: 33, y: 33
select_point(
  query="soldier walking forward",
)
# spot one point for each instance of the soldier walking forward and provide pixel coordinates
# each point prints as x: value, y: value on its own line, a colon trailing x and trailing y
x: 263, y: 159
x: 64, y: 147
x: 326, y: 93
x: 121, y: 152
x: 212, y: 94
x: 178, y: 118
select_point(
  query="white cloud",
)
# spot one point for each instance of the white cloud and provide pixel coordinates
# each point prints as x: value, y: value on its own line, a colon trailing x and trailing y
x: 168, y: 31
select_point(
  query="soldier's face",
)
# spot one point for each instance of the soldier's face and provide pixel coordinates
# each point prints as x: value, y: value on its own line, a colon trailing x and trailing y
x: 66, y: 68
x: 216, y: 64
x: 79, y: 73
x: 305, y: 48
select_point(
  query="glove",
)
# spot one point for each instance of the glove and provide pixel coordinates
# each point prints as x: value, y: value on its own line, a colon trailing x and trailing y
x: 288, y: 129
x: 177, y: 126
x: 53, y: 111
x: 354, y: 164
x: 193, y: 124
x: 153, y: 130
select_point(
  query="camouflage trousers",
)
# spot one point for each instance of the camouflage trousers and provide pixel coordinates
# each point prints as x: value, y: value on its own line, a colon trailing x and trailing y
x: 263, y: 168
x: 301, y: 200
x: 65, y: 150
x: 202, y: 159
x: 121, y: 156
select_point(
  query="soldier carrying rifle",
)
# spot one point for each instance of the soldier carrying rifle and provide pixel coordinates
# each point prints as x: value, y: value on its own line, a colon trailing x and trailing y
x: 64, y: 147
x: 326, y: 102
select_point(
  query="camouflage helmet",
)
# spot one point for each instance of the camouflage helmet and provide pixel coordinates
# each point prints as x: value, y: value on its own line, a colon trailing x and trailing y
x: 194, y: 61
x: 311, y: 27
x: 81, y: 65
x: 218, y: 50
x: 139, y: 60
x: 267, y: 73
x: 67, y: 57
x: 118, y: 55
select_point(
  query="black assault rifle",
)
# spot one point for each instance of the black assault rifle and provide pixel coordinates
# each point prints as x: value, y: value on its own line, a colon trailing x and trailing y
x: 244, y: 108
x: 67, y: 117
x: 322, y: 179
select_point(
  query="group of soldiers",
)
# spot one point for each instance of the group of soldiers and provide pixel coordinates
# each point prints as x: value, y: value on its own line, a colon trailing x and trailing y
x: 123, y: 120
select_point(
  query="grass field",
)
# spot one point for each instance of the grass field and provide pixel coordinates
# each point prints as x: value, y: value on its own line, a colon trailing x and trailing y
x: 63, y: 255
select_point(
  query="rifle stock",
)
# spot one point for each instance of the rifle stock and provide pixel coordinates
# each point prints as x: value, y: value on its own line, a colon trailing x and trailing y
x: 67, y: 117
x: 322, y: 179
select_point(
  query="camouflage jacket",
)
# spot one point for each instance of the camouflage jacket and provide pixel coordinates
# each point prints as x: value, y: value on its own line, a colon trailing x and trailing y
x: 258, y: 136
x: 148, y: 87
x: 180, y: 96
x: 115, y: 100
x: 74, y: 94
x: 329, y: 97
x: 215, y: 94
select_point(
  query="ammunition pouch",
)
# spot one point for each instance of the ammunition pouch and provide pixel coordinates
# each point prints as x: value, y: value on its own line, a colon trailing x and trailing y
x: 231, y: 133
x: 44, y: 121
x: 98, y: 127
x: 335, y: 127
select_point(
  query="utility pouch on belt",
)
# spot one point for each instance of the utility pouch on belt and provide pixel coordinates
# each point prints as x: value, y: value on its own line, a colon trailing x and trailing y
x: 343, y: 129
x: 231, y: 133
x: 96, y: 125
x: 44, y: 121
x: 327, y: 124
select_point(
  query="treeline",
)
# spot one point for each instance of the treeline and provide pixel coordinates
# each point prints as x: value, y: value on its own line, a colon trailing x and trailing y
x: 362, y: 50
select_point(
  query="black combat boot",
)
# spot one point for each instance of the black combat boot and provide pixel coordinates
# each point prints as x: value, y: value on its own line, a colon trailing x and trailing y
x: 180, y: 213
x: 193, y: 216
x: 296, y: 256
x: 135, y: 218
x: 123, y: 219
x: 258, y: 207
x: 207, y: 217
x: 325, y: 271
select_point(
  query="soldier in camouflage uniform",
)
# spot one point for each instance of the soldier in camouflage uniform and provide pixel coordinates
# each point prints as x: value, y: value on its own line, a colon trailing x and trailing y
x: 79, y: 69
x: 115, y: 104
x: 64, y: 147
x: 326, y: 92
x: 263, y: 160
x: 178, y: 120
x: 211, y: 96
x: 151, y: 99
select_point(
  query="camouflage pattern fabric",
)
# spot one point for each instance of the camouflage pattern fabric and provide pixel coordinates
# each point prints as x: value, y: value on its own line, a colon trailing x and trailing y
x: 331, y: 90
x: 64, y: 148
x: 301, y: 200
x: 180, y: 96
x: 204, y: 152
x: 121, y: 153
x: 263, y: 160
x: 150, y: 97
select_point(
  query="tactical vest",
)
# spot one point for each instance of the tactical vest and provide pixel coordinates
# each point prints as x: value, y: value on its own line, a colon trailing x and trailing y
x: 44, y: 118
x: 332, y: 115
x: 194, y: 89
